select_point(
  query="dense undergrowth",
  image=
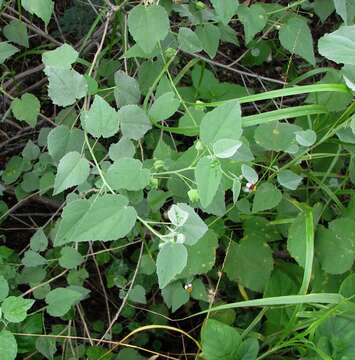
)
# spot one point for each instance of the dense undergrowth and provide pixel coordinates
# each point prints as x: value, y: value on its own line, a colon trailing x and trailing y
x: 177, y: 179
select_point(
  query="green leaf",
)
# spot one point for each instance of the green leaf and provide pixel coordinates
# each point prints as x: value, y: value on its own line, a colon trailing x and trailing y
x: 193, y: 227
x: 46, y: 347
x: 201, y: 256
x: 275, y: 136
x: 267, y: 196
x: 62, y: 57
x: 6, y: 51
x: 226, y: 148
x: 224, y: 122
x: 250, y: 263
x: 123, y: 149
x: 346, y: 9
x: 289, y: 179
x: 171, y: 260
x: 8, y: 345
x: 249, y: 349
x: 134, y: 122
x: 208, y: 176
x: 15, y: 308
x: 339, y: 46
x: 127, y: 90
x: 306, y: 137
x: 189, y: 41
x: 164, y: 107
x: 335, y: 246
x: 296, y: 242
x: 16, y: 31
x: 347, y: 288
x: 39, y: 241
x: 215, y: 333
x: 296, y: 37
x: 60, y: 300
x: 101, y: 120
x: 137, y: 295
x: 65, y: 86
x: 209, y: 36
x: 62, y: 140
x: 104, y: 218
x: 13, y: 170
x: 249, y: 174
x: 236, y: 187
x: 72, y: 170
x: 4, y: 288
x: 70, y: 258
x: 175, y: 295
x: 225, y: 9
x: 26, y: 109
x: 128, y: 174
x: 33, y: 259
x: 42, y: 8
x: 148, y: 25
x: 253, y: 18
x: 31, y: 151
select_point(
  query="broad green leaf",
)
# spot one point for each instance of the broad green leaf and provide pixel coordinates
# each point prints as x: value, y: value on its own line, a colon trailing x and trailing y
x: 209, y: 36
x: 62, y: 140
x: 249, y: 174
x: 296, y: 242
x: 31, y: 151
x: 101, y: 120
x: 225, y: 9
x: 339, y: 46
x: 70, y: 258
x: 104, y: 218
x: 226, y: 148
x: 249, y: 349
x: 175, y: 295
x: 134, y: 122
x: 46, y: 347
x: 335, y: 246
x: 42, y: 8
x: 275, y: 135
x: 4, y: 288
x: 8, y: 345
x: 215, y: 333
x: 13, y: 170
x: 15, y: 308
x: 177, y: 215
x: 323, y: 8
x: 164, y: 107
x: 26, y: 109
x: 171, y: 261
x: 289, y: 179
x: 250, y: 263
x: 129, y: 354
x: 201, y: 256
x: 347, y: 288
x: 253, y: 18
x: 16, y: 31
x: 137, y: 294
x: 127, y: 90
x: 267, y: 196
x: 128, y: 174
x: 33, y: 259
x: 65, y: 86
x: 72, y: 170
x: 306, y: 137
x: 208, y: 176
x: 148, y: 25
x: 60, y: 300
x: 346, y: 9
x: 62, y: 57
x: 236, y: 187
x: 6, y: 51
x: 39, y: 241
x: 189, y: 41
x: 295, y: 36
x: 224, y: 122
x: 123, y: 149
x: 193, y: 228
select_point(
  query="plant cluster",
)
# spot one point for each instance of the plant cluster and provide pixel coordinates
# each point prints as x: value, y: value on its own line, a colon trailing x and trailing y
x: 177, y: 180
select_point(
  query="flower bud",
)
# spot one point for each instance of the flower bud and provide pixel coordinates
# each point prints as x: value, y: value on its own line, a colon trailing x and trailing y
x: 198, y: 145
x: 159, y: 164
x: 193, y: 195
